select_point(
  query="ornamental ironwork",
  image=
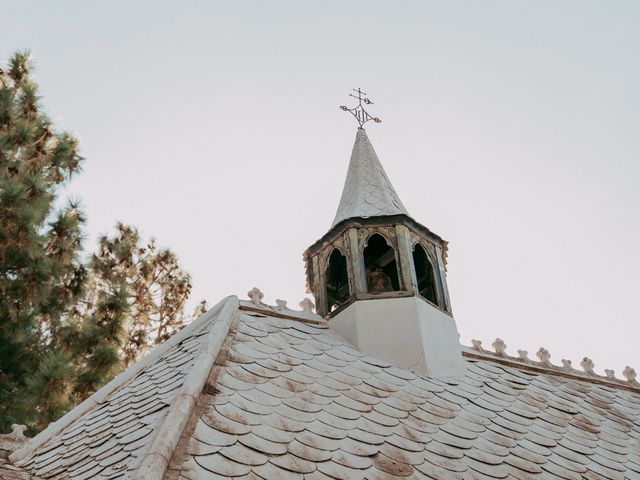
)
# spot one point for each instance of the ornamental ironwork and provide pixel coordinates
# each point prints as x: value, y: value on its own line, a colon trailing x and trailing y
x: 359, y: 113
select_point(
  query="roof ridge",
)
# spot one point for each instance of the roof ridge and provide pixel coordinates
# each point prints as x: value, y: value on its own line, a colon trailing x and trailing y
x: 56, y: 427
x: 155, y: 461
x: 544, y: 365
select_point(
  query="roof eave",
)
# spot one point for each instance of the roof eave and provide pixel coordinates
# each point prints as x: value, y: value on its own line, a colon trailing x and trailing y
x: 357, y: 222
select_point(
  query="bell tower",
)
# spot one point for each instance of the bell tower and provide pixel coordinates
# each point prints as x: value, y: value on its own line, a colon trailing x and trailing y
x: 374, y: 249
x: 378, y: 275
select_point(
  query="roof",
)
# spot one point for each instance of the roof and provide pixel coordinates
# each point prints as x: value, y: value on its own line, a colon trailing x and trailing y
x: 367, y: 190
x: 11, y: 472
x: 258, y: 392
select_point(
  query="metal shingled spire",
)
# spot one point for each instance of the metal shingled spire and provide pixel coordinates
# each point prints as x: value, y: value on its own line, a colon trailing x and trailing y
x: 367, y: 190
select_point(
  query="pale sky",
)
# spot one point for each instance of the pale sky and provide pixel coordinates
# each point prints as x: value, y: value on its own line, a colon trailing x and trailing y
x: 510, y: 128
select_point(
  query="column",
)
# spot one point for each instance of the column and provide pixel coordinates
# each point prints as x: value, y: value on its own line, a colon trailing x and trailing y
x: 356, y: 262
x: 408, y: 279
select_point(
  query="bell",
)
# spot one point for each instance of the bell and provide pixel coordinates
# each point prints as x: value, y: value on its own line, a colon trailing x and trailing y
x: 378, y: 281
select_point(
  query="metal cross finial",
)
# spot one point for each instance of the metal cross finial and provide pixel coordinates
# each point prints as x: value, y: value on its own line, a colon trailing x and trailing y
x: 361, y: 115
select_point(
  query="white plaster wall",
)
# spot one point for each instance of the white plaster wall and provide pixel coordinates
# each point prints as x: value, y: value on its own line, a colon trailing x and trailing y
x: 407, y: 332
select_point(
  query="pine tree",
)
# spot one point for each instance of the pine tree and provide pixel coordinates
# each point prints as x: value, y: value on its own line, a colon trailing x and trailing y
x: 41, y: 276
x: 66, y: 326
x: 151, y: 280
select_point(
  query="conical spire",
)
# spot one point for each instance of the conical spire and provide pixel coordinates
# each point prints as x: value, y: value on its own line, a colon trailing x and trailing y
x: 367, y: 190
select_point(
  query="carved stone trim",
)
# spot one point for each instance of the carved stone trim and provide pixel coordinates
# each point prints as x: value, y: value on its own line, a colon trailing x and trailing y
x: 386, y: 232
x: 544, y: 364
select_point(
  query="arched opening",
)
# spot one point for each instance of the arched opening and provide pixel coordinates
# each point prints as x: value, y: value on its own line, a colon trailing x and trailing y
x: 380, y: 265
x: 424, y: 274
x: 337, y: 280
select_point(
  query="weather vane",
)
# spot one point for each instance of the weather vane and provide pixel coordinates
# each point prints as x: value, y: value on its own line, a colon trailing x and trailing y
x: 361, y: 115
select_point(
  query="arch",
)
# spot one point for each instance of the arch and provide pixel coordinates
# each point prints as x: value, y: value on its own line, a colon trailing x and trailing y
x: 380, y: 265
x: 365, y: 234
x: 424, y: 274
x: 336, y: 280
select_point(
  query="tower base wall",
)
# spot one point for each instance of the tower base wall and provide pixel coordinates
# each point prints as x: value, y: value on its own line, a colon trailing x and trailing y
x: 408, y: 332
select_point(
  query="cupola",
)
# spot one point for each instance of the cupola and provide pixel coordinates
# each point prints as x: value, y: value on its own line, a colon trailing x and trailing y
x: 374, y: 249
x: 379, y: 276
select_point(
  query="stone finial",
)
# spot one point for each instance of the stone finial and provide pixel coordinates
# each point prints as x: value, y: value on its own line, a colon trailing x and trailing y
x: 566, y: 364
x: 255, y: 295
x: 17, y: 432
x: 587, y: 365
x: 544, y: 356
x: 281, y: 304
x: 14, y: 440
x: 307, y: 305
x: 523, y: 355
x: 500, y: 347
x: 610, y: 374
x: 629, y: 373
x: 477, y: 345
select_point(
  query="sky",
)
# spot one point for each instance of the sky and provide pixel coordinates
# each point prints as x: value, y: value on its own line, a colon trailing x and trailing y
x: 510, y: 128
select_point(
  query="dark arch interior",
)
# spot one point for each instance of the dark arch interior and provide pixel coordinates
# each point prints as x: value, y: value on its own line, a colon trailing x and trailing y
x: 337, y: 281
x: 380, y: 264
x: 424, y: 274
